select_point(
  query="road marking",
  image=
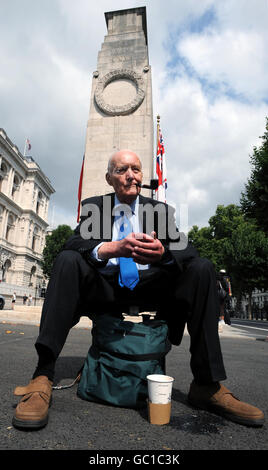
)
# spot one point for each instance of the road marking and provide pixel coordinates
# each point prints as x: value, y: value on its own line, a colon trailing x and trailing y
x: 253, y: 327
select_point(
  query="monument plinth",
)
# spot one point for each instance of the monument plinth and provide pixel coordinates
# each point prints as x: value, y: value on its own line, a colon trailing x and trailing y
x: 120, y: 113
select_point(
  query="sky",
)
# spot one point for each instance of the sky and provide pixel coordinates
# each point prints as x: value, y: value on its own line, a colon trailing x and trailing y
x: 210, y: 87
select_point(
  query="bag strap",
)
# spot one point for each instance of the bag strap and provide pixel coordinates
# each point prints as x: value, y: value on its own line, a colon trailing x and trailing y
x: 133, y: 357
x: 76, y: 380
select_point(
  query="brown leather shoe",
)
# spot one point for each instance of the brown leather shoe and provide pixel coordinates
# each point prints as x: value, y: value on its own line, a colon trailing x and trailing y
x: 218, y: 399
x: 32, y: 410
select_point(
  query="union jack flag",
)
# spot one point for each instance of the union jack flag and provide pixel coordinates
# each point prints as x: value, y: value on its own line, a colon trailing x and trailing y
x: 80, y: 189
x: 161, y: 170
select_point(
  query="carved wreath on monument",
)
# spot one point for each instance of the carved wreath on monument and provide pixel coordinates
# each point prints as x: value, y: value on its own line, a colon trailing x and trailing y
x: 128, y: 108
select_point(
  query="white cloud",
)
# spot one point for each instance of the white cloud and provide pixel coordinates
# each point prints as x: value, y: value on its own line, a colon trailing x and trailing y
x: 210, y: 76
x: 235, y: 59
x: 207, y: 146
x: 242, y: 15
x: 60, y: 216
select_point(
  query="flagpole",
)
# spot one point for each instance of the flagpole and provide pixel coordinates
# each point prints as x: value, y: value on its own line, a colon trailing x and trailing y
x: 80, y: 190
x: 157, y: 131
x: 157, y: 138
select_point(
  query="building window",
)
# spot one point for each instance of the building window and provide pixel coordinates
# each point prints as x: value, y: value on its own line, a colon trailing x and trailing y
x: 16, y: 184
x: 34, y: 242
x: 39, y: 202
x: 35, y: 239
x: 33, y: 271
x: 10, y: 227
x: 3, y: 173
x: 3, y: 169
x: 5, y: 268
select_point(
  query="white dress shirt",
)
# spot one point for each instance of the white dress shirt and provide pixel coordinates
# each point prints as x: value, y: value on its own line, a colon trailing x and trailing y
x: 133, y: 218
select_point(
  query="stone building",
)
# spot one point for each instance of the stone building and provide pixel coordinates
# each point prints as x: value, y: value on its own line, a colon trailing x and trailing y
x: 24, y: 200
x: 121, y: 111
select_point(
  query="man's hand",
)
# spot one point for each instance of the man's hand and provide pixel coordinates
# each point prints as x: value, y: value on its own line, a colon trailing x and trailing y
x: 127, y: 245
x: 149, y: 250
x: 143, y: 248
x: 116, y: 249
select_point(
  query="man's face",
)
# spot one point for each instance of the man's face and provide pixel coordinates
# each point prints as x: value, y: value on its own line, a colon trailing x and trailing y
x: 124, y: 174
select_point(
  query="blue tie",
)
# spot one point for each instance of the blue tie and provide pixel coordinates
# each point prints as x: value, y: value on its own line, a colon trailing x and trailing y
x: 128, y: 276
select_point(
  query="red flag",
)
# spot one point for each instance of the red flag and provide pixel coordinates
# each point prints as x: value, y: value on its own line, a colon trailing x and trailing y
x: 80, y: 190
x: 161, y: 169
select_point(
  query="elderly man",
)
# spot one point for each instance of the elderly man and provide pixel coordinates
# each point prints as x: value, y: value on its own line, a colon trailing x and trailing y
x: 90, y: 269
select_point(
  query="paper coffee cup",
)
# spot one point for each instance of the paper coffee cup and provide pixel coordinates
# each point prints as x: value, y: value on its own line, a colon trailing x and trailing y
x: 159, y: 388
x: 159, y: 414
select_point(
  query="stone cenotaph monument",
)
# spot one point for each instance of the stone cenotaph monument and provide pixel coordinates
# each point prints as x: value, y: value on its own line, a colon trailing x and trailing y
x: 120, y: 113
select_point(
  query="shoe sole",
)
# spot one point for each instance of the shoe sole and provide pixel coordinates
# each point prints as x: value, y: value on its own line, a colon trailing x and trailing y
x: 34, y: 424
x: 231, y: 417
x: 23, y: 424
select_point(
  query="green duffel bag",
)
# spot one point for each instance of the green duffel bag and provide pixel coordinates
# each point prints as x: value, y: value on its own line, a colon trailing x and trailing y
x: 122, y: 354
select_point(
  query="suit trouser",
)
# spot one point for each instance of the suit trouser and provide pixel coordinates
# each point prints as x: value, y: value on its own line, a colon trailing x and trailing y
x: 77, y: 288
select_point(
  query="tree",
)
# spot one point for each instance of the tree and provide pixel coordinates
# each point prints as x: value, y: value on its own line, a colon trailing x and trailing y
x: 209, y: 241
x: 254, y: 200
x: 225, y: 221
x: 236, y: 244
x: 54, y: 244
x: 207, y: 245
x: 245, y: 254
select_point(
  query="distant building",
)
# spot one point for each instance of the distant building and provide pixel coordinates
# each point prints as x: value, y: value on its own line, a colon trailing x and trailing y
x: 24, y: 199
x: 260, y: 297
x: 259, y: 305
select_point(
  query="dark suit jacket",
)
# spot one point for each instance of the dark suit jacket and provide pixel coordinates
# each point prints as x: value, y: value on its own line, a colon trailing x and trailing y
x: 173, y: 260
x: 162, y: 222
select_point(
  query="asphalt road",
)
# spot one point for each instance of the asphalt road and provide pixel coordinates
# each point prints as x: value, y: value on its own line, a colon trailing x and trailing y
x: 254, y: 328
x: 75, y: 424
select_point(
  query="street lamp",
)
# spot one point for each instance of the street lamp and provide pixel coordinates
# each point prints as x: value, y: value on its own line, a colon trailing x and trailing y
x: 38, y: 286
